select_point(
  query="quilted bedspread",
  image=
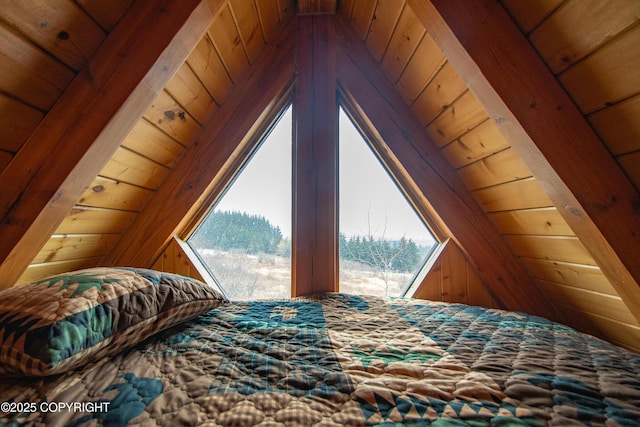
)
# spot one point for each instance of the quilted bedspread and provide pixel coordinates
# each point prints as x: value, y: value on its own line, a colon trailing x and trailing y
x: 336, y: 359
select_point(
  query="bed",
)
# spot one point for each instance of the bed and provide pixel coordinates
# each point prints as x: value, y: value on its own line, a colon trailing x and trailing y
x: 125, y: 346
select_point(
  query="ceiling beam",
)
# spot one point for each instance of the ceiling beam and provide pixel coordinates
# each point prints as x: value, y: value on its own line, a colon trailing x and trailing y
x: 209, y: 163
x: 85, y: 127
x: 543, y: 125
x: 314, y: 242
x: 363, y: 81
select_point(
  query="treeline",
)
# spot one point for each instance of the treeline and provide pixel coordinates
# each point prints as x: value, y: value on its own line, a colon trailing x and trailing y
x: 238, y: 230
x: 228, y: 230
x: 402, y: 255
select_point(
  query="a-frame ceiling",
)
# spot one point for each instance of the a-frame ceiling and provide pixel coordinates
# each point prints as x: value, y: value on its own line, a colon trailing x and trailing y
x: 499, y: 141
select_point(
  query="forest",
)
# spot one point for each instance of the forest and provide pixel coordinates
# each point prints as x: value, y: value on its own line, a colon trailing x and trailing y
x: 254, y: 234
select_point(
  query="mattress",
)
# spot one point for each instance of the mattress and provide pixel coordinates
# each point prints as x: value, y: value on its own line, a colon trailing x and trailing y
x: 336, y: 359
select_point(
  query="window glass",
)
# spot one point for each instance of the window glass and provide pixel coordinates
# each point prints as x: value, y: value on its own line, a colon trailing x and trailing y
x: 383, y: 242
x: 245, y: 240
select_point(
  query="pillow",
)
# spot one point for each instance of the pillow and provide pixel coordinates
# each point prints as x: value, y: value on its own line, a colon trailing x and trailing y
x: 63, y: 322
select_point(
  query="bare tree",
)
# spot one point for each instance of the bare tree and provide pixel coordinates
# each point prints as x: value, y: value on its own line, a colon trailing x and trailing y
x: 379, y: 253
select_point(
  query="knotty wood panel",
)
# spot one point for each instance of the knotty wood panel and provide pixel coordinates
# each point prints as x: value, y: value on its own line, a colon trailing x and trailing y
x: 464, y: 114
x: 113, y: 194
x: 206, y: 63
x: 504, y: 166
x: 18, y: 59
x: 477, y: 292
x: 380, y: 104
x: 86, y: 220
x: 618, y: 126
x: 89, y: 121
x: 598, y: 83
x: 149, y: 141
x: 147, y: 145
x: 175, y: 260
x: 522, y: 194
x: 528, y: 14
x: 544, y: 129
x: 556, y: 248
x: 198, y: 174
x: 384, y: 22
x: 179, y: 258
x: 362, y: 17
x: 132, y: 168
x: 190, y: 93
x: 622, y: 334
x: 172, y: 260
x: 453, y: 275
x: 75, y: 246
x: 439, y: 94
x: 542, y: 221
x: 480, y: 142
x: 269, y: 17
x: 588, y: 277
x: 63, y: 30
x: 452, y: 278
x: 607, y: 76
x: 40, y: 271
x: 586, y: 301
x: 405, y: 39
x: 422, y: 67
x: 430, y: 285
x: 226, y: 39
x: 17, y: 121
x: 247, y: 21
x: 172, y: 118
x: 580, y: 27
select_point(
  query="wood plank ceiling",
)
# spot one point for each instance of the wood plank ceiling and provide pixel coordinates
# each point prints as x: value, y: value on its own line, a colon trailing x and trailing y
x: 147, y: 151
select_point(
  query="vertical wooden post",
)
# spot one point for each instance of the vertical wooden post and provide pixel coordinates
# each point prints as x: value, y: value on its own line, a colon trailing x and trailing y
x: 315, y: 144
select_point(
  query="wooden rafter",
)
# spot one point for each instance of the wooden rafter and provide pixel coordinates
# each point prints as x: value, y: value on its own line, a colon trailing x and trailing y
x: 315, y: 186
x: 368, y: 88
x: 207, y: 165
x: 543, y: 125
x: 85, y: 127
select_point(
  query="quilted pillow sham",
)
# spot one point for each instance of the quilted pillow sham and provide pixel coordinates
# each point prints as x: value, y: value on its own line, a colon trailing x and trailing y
x: 63, y: 322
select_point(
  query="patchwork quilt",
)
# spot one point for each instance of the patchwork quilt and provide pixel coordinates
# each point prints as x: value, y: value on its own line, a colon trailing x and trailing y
x: 336, y: 359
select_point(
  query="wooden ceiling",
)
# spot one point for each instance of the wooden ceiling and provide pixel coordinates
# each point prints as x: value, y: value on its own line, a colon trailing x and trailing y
x: 516, y: 121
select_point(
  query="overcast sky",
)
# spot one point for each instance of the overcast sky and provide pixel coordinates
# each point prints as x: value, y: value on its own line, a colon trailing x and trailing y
x: 368, y: 196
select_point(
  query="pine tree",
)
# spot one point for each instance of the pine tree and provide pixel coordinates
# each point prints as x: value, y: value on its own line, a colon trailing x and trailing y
x: 238, y: 230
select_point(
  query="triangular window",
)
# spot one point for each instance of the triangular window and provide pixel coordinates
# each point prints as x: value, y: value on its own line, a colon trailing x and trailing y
x: 383, y: 242
x: 245, y: 239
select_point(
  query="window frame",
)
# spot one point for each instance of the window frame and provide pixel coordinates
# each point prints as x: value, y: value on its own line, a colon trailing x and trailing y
x: 250, y: 144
